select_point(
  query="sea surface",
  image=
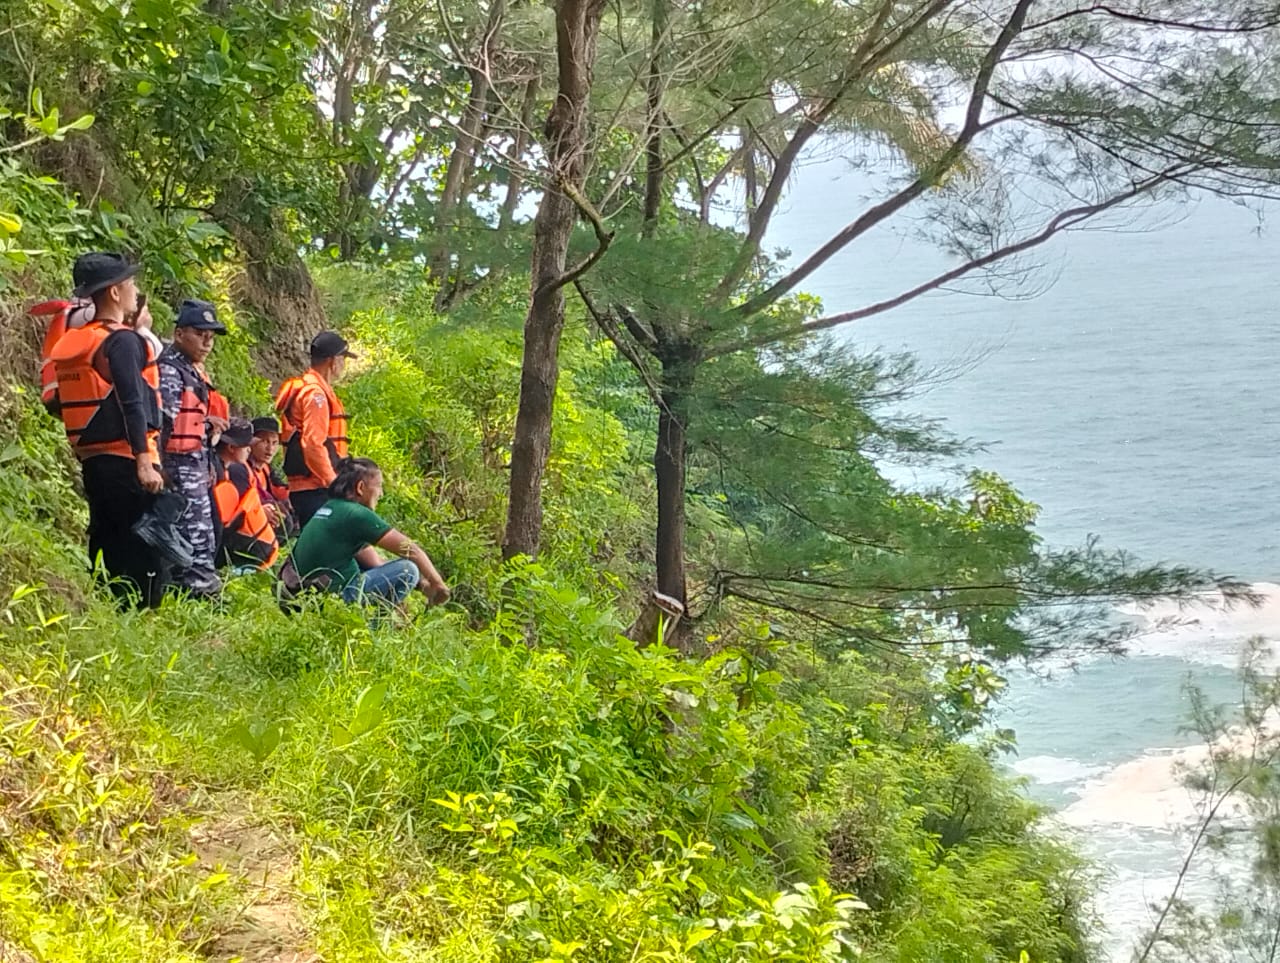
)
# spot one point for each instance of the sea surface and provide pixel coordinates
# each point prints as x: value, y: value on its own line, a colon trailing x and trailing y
x: 1135, y: 398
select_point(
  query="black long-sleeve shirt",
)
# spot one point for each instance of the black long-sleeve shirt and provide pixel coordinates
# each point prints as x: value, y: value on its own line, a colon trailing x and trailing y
x: 126, y: 355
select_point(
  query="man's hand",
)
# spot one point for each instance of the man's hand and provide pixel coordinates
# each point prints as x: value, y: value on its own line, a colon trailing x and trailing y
x: 437, y: 593
x: 274, y: 515
x: 216, y: 427
x: 149, y: 476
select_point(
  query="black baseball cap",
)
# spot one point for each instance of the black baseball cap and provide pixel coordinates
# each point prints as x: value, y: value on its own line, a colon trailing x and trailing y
x: 200, y: 315
x: 239, y: 435
x: 98, y: 270
x: 265, y: 424
x: 329, y: 344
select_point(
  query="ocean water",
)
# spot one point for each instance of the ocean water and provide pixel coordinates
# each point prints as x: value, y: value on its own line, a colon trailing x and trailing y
x: 1135, y: 398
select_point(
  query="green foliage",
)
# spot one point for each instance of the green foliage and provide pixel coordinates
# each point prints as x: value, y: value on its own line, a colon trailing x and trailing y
x: 458, y: 795
x: 1235, y: 838
x: 94, y: 862
x: 200, y: 125
x: 606, y: 803
x: 444, y: 390
x: 22, y: 192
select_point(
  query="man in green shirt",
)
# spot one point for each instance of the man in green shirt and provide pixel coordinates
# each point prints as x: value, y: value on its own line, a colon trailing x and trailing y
x: 336, y: 549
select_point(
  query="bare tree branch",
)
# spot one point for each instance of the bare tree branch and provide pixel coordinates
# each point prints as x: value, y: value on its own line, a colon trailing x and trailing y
x: 604, y: 238
x: 515, y: 174
x: 1163, y: 22
x: 1064, y: 220
x: 973, y: 126
x: 783, y: 164
x: 609, y: 325
x: 638, y: 330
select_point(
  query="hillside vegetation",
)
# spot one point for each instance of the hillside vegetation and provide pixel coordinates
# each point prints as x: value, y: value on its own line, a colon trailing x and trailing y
x: 587, y: 379
x: 505, y: 779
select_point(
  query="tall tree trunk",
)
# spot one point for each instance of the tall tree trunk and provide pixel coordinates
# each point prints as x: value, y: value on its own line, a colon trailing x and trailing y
x: 515, y: 176
x: 660, y: 617
x: 577, y: 29
x: 465, y: 146
x: 653, y: 147
x: 357, y: 43
x: 670, y: 458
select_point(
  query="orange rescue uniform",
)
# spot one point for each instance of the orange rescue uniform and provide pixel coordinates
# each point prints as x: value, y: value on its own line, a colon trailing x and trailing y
x: 91, y: 414
x: 247, y: 537
x: 313, y: 428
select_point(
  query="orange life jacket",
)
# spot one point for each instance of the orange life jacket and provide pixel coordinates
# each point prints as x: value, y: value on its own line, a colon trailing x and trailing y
x: 190, y: 429
x: 248, y: 537
x: 63, y: 314
x: 87, y: 404
x: 294, y: 394
x: 268, y: 490
x: 219, y: 407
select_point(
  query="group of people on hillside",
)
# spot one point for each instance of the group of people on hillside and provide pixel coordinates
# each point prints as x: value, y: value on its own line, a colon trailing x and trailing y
x: 180, y: 492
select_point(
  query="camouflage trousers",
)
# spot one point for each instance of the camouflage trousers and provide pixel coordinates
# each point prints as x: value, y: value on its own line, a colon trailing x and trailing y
x: 189, y: 474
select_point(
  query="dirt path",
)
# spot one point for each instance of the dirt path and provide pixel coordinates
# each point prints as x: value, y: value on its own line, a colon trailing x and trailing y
x: 270, y: 926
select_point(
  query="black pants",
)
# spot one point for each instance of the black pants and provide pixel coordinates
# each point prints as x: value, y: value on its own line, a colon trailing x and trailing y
x: 305, y: 504
x: 116, y: 501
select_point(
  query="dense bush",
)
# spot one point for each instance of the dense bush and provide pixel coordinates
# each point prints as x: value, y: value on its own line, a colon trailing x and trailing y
x: 454, y: 793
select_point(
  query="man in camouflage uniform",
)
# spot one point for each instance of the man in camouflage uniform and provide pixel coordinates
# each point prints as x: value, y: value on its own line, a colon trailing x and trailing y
x: 193, y: 418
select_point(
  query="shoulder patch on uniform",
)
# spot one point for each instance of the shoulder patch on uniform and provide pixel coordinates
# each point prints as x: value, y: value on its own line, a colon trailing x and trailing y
x: 318, y: 400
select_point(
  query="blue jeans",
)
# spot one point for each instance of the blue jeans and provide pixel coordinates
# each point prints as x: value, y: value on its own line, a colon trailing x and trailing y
x: 389, y: 584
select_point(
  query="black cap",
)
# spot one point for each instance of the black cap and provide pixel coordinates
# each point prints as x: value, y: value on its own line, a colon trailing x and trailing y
x: 200, y: 315
x: 97, y: 271
x: 239, y: 435
x: 264, y: 424
x: 329, y: 344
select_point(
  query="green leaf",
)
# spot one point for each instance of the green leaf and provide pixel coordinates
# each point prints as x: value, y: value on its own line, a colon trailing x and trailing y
x: 270, y: 740
x: 83, y: 122
x: 240, y: 734
x: 700, y: 935
x: 370, y: 699
x: 453, y: 804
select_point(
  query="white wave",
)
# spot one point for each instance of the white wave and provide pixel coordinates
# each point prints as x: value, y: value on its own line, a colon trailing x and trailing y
x: 1150, y: 792
x: 1211, y: 633
x: 1056, y: 770
x: 1146, y: 792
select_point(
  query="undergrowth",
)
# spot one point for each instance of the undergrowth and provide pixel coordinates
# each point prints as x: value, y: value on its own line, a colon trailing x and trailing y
x: 505, y: 779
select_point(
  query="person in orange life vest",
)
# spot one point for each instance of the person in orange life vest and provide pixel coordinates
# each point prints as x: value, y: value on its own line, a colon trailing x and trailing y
x: 314, y: 425
x: 273, y: 490
x: 109, y: 405
x: 219, y: 409
x: 190, y: 429
x: 248, y: 538
x: 64, y: 316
